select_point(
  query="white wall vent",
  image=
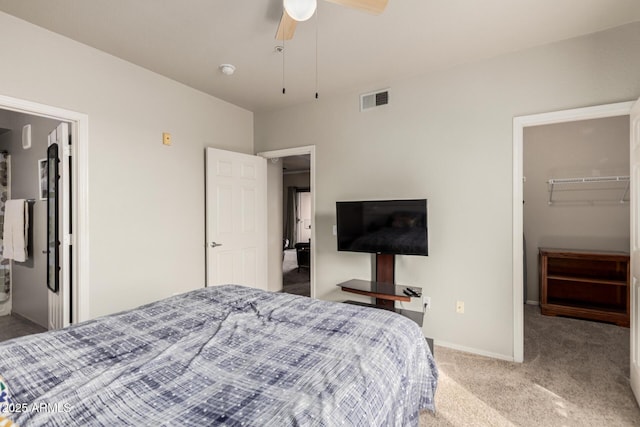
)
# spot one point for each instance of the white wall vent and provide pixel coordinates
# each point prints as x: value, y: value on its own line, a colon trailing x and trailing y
x: 374, y: 99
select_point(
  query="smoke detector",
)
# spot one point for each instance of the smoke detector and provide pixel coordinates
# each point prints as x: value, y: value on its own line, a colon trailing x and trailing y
x: 227, y: 69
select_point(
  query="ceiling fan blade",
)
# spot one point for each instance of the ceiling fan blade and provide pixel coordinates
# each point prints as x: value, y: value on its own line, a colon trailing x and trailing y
x: 372, y: 6
x: 286, y: 28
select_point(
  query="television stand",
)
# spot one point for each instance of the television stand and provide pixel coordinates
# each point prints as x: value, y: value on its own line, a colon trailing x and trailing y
x: 389, y: 293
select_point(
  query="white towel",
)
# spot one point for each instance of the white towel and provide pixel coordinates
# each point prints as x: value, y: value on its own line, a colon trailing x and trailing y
x: 16, y: 227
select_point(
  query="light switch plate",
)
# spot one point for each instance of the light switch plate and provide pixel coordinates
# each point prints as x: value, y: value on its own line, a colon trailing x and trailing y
x: 166, y: 138
x: 26, y: 137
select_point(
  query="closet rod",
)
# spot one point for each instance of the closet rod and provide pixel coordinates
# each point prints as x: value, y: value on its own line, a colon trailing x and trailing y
x: 587, y: 180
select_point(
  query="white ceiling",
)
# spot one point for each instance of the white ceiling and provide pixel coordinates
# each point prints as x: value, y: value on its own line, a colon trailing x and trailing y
x: 187, y: 40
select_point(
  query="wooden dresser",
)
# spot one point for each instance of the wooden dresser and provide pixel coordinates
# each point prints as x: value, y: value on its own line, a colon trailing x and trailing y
x: 585, y: 284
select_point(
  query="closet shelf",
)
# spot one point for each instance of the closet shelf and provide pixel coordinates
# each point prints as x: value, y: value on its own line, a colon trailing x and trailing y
x: 589, y: 180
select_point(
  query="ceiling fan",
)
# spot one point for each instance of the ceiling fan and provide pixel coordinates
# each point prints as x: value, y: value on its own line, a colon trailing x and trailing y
x: 300, y: 10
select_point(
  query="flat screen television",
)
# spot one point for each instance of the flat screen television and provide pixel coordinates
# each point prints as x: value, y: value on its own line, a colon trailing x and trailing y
x: 396, y: 227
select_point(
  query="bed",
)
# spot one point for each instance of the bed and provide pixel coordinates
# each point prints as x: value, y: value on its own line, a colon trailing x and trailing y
x: 226, y: 355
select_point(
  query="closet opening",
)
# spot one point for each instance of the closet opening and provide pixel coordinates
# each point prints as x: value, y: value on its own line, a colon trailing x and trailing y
x: 551, y: 210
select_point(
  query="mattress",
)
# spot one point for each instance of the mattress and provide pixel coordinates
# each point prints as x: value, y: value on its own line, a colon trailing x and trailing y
x: 226, y: 355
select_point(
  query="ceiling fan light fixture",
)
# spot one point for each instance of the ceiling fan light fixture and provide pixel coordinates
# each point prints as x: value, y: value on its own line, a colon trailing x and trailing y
x: 300, y: 10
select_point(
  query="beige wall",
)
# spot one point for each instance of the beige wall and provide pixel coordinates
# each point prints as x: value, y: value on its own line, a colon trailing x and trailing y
x: 447, y: 136
x: 146, y: 200
x: 29, y: 279
x: 582, y: 216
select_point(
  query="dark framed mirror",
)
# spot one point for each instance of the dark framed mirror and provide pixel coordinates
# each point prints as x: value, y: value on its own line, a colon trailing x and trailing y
x: 53, y: 238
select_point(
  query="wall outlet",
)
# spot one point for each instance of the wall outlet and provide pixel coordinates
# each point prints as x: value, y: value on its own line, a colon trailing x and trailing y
x: 460, y: 307
x: 427, y: 303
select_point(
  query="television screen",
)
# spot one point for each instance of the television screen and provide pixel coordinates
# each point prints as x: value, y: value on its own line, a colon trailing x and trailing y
x: 383, y: 226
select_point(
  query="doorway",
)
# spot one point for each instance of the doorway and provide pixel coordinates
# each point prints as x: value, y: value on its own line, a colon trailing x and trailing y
x: 296, y: 191
x: 291, y: 188
x: 24, y: 147
x: 519, y: 125
x: 75, y: 278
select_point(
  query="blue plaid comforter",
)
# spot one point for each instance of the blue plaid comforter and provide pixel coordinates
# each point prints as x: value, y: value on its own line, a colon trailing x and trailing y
x: 227, y: 355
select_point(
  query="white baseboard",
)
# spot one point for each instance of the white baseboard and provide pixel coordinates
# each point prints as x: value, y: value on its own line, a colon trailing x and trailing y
x: 530, y: 302
x: 472, y: 350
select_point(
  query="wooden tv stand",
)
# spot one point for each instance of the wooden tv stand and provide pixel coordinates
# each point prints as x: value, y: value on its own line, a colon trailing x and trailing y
x: 590, y: 285
x: 383, y: 292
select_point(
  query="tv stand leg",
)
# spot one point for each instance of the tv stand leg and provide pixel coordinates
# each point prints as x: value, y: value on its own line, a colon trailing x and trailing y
x: 386, y: 268
x: 385, y: 275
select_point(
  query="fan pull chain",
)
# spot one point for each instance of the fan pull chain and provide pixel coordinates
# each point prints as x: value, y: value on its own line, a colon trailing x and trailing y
x: 283, y: 42
x: 317, y: 19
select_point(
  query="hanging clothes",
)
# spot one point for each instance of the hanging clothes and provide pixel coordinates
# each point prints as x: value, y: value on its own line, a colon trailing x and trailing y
x: 15, y: 230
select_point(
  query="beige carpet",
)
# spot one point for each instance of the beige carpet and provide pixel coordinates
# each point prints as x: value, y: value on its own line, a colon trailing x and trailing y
x: 575, y: 373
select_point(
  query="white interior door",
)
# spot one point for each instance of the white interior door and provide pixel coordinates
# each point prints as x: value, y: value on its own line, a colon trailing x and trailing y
x: 635, y: 250
x: 236, y: 219
x: 59, y: 302
x: 304, y: 216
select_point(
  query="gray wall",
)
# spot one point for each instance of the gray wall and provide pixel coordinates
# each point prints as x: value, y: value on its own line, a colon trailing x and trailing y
x: 146, y: 201
x: 582, y: 216
x: 448, y: 136
x: 29, y: 280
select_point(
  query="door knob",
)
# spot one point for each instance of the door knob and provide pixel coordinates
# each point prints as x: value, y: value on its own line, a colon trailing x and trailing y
x: 214, y: 244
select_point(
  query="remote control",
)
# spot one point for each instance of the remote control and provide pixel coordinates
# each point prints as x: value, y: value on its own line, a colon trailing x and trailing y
x: 411, y: 292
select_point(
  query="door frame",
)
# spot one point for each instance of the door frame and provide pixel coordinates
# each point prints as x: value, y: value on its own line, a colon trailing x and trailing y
x: 299, y: 151
x: 79, y: 127
x: 519, y: 123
